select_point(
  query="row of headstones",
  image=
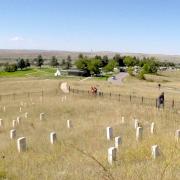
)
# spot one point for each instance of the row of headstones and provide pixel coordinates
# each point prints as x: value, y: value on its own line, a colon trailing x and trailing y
x: 14, y: 122
x: 139, y: 133
x: 21, y: 142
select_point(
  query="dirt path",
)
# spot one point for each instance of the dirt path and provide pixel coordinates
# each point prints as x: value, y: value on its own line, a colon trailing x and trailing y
x: 118, y: 78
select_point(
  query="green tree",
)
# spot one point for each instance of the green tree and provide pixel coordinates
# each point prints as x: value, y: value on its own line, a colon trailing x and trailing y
x: 129, y: 61
x: 82, y: 64
x: 21, y: 64
x: 130, y: 71
x: 94, y: 65
x: 39, y: 61
x: 80, y: 56
x: 68, y: 63
x: 104, y: 61
x: 54, y: 61
x: 10, y: 67
x: 98, y: 57
x: 63, y: 62
x: 110, y: 66
x: 27, y: 63
x: 119, y: 60
x: 150, y: 67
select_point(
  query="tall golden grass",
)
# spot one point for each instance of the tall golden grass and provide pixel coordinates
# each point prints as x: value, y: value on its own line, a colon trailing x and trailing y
x: 81, y: 152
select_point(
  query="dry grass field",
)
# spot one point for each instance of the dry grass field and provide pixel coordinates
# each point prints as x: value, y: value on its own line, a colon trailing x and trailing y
x: 81, y: 152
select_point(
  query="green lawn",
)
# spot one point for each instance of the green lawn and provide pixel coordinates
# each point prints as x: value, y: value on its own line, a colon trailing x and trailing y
x: 31, y: 72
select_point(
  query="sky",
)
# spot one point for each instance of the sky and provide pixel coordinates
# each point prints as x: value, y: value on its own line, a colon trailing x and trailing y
x: 136, y: 26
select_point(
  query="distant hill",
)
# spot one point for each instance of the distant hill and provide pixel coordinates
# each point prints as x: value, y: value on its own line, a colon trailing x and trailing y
x: 11, y: 55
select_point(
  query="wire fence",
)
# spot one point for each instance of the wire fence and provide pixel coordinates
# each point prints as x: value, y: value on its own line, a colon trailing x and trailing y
x: 168, y: 104
x: 28, y: 95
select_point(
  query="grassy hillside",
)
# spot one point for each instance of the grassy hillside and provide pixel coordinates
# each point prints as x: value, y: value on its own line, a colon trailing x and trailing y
x: 81, y: 152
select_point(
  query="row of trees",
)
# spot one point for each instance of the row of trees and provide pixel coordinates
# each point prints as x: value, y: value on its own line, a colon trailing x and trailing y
x: 94, y: 65
x: 144, y: 66
x: 38, y: 61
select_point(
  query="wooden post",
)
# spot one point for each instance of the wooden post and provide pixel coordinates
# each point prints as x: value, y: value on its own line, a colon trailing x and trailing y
x: 156, y: 103
x: 173, y: 103
x: 142, y: 99
x: 14, y: 96
x: 119, y: 97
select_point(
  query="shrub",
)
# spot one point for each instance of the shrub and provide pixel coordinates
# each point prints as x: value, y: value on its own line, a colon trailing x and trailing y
x: 10, y: 68
x: 141, y: 75
x: 130, y: 71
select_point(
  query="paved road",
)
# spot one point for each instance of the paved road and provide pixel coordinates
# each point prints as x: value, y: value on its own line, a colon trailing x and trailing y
x: 118, y: 78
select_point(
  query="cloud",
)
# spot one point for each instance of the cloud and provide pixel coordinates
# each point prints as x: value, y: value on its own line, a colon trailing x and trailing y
x: 17, y: 38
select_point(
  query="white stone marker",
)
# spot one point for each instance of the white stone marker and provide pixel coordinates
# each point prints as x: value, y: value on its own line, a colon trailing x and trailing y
x: 21, y: 144
x: 153, y: 130
x: 14, y: 123
x: 139, y: 133
x: 136, y: 123
x: 1, y: 123
x: 122, y: 120
x: 155, y: 151
x: 53, y: 137
x: 4, y: 108
x: 177, y: 136
x: 42, y: 116
x: 13, y: 134
x: 20, y: 109
x: 26, y: 115
x: 18, y: 120
x: 109, y: 132
x: 69, y: 124
x: 111, y: 155
x: 118, y: 141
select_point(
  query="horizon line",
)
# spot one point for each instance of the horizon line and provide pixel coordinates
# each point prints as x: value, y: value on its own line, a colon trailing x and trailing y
x: 75, y: 51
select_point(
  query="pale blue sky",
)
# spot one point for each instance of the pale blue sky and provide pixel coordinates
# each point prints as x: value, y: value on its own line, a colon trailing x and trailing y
x: 147, y: 26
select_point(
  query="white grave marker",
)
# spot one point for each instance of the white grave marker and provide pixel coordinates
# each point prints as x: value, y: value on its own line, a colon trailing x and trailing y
x: 118, y: 141
x: 122, y: 120
x: 139, y: 133
x: 4, y: 108
x: 177, y: 136
x: 26, y: 115
x: 18, y: 120
x: 155, y: 151
x: 136, y: 123
x: 42, y: 116
x: 69, y: 124
x: 153, y: 130
x: 21, y: 144
x: 109, y: 132
x: 13, y: 134
x: 111, y: 155
x: 53, y: 137
x: 1, y: 123
x: 14, y: 123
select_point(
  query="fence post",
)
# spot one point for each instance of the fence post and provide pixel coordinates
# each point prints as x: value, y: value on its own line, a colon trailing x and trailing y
x: 110, y: 94
x: 156, y: 103
x: 14, y: 96
x: 142, y: 99
x: 119, y: 97
x: 173, y: 103
x: 42, y: 94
